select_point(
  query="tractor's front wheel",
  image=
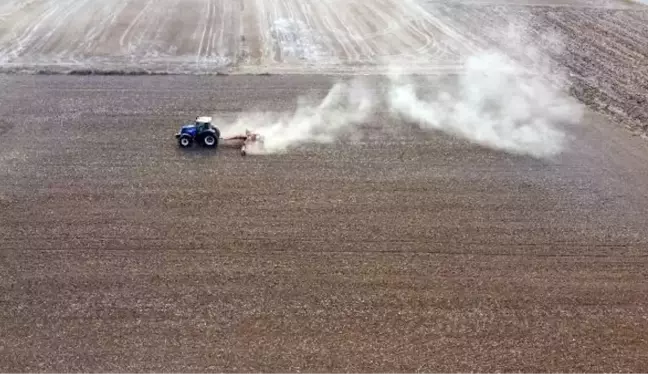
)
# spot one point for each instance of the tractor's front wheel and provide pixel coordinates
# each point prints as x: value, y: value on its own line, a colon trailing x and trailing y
x: 184, y: 141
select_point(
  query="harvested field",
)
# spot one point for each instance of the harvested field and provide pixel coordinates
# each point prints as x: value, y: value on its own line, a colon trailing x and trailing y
x: 208, y: 36
x: 270, y: 35
x: 408, y: 252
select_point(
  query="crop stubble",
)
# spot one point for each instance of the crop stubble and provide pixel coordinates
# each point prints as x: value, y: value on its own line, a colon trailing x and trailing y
x: 199, y: 36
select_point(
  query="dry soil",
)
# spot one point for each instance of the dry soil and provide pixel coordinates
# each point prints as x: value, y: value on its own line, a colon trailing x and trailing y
x: 121, y: 252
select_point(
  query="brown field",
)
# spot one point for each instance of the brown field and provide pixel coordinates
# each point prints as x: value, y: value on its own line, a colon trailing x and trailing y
x: 121, y: 252
x: 407, y: 251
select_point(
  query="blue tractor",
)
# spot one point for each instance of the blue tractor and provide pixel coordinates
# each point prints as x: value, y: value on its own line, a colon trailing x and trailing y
x: 201, y: 131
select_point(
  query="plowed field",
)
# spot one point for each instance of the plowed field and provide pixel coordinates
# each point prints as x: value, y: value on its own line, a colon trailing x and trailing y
x: 406, y: 250
x: 120, y: 252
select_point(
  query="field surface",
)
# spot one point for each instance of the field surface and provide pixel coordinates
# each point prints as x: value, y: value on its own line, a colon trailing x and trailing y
x: 598, y: 45
x: 208, y: 35
x: 407, y: 251
x: 121, y: 252
x: 279, y: 35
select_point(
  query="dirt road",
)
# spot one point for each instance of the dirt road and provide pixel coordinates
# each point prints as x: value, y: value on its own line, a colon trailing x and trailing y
x: 121, y: 252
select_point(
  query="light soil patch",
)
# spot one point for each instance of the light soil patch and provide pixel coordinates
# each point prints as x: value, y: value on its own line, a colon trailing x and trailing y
x: 202, y: 36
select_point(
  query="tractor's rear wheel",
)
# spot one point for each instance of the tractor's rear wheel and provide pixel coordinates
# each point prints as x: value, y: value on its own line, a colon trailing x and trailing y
x: 209, y: 140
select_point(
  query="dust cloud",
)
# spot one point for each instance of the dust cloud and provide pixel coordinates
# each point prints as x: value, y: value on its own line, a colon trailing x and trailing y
x: 346, y: 106
x: 494, y: 102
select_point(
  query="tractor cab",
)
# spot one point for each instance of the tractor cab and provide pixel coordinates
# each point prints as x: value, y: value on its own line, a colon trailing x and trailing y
x: 201, y: 130
x: 203, y: 123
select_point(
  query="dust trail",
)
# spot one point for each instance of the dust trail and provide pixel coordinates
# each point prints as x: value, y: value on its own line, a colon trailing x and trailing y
x: 494, y: 104
x: 346, y: 106
x: 517, y: 106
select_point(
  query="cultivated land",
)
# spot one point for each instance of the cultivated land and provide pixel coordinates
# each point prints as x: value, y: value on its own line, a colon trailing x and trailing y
x: 205, y: 35
x: 600, y: 43
x: 121, y: 252
x: 405, y: 252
